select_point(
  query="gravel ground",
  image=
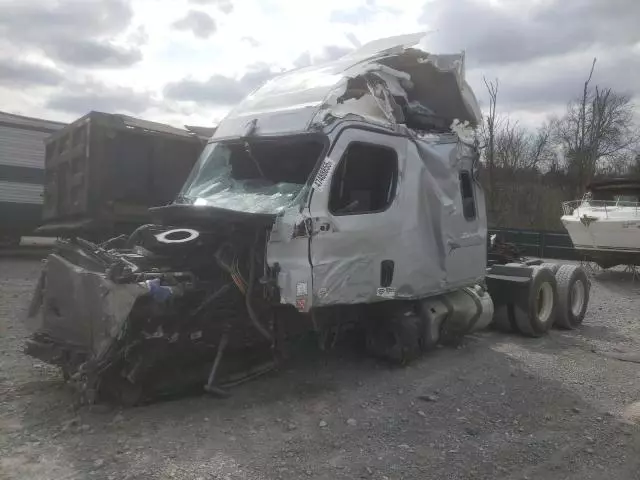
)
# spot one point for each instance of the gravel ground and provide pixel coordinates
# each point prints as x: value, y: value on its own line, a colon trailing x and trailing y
x: 499, y: 407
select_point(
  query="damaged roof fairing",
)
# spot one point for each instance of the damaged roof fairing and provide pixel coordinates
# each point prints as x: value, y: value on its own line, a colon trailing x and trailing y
x: 366, y: 83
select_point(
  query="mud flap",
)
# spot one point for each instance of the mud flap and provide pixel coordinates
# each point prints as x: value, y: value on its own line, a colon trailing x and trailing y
x: 35, y: 304
x: 504, y: 281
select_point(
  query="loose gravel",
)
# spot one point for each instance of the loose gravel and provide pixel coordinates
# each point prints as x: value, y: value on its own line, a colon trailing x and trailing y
x: 498, y: 407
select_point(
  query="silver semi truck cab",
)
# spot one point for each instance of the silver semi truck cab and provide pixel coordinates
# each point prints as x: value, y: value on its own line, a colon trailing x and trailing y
x: 338, y: 196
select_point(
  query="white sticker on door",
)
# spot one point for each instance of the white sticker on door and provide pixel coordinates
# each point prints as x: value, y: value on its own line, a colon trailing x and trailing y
x: 301, y: 289
x: 323, y: 175
x: 386, y: 292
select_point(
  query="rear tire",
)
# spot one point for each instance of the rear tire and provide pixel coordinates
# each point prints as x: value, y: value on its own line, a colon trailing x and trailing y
x: 573, y: 296
x: 535, y: 306
x: 551, y: 266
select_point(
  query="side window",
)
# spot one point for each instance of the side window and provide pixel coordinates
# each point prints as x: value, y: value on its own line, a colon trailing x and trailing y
x: 468, y: 200
x: 364, y: 181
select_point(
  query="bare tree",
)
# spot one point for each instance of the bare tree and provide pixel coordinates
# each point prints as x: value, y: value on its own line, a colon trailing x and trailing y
x: 520, y: 156
x: 523, y: 175
x: 519, y: 149
x: 634, y: 168
x: 596, y: 128
x: 541, y: 153
x: 488, y: 134
x: 490, y: 122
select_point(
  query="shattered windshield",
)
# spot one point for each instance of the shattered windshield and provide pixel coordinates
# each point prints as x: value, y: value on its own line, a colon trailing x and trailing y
x: 253, y: 175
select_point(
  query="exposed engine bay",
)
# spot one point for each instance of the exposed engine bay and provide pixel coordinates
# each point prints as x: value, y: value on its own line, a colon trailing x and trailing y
x: 152, y: 305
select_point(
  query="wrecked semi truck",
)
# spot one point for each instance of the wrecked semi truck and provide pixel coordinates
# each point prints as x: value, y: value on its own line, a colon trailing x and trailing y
x: 333, y: 197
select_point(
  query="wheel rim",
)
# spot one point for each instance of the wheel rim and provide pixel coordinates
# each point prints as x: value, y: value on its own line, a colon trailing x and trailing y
x: 545, y: 302
x: 577, y: 297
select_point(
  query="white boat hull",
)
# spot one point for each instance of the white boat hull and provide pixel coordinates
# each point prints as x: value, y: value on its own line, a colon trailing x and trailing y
x: 606, y: 229
x: 606, y: 241
x: 606, y: 234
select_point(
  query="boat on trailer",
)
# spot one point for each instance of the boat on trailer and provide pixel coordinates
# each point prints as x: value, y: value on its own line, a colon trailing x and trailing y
x: 604, y: 225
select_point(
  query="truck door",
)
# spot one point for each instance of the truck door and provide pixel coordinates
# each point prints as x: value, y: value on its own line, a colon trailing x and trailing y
x: 354, y: 208
x: 467, y: 256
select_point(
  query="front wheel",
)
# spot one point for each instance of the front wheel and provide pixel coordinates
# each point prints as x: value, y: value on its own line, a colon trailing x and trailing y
x: 395, y: 338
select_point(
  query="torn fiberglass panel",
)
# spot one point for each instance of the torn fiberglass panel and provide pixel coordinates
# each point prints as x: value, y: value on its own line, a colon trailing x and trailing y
x: 407, y: 86
x: 254, y: 176
x: 310, y: 86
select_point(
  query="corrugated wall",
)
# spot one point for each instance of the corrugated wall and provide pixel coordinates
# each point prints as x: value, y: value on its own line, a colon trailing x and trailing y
x: 17, y: 192
x: 22, y: 148
x: 22, y: 157
x: 22, y: 153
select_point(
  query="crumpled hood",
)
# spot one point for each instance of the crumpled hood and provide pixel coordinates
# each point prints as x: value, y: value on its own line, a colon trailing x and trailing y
x: 383, y: 70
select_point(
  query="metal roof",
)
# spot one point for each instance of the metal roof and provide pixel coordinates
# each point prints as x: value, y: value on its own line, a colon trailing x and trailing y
x: 30, y: 123
x: 123, y: 122
x: 204, y: 132
x: 152, y: 126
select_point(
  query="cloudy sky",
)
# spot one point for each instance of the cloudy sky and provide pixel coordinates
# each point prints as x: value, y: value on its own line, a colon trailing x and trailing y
x: 189, y: 61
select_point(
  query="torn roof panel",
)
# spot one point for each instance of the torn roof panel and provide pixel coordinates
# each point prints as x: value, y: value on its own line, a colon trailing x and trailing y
x: 387, y: 45
x: 290, y: 102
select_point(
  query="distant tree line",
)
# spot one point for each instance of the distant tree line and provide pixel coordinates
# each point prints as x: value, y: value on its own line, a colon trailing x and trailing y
x: 528, y: 174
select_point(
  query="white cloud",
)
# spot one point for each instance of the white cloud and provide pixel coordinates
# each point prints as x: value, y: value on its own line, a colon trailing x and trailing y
x: 130, y: 49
